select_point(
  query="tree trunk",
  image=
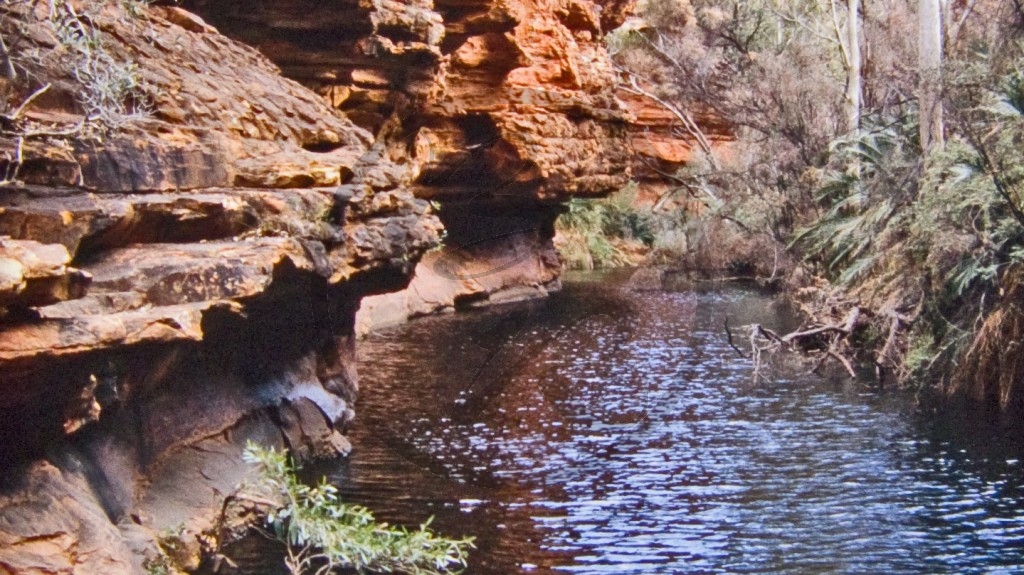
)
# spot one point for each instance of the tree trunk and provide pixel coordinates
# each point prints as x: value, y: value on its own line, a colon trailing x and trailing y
x: 930, y: 67
x: 853, y: 80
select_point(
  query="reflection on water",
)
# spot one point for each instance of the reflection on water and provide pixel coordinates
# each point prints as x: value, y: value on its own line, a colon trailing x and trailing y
x: 606, y: 431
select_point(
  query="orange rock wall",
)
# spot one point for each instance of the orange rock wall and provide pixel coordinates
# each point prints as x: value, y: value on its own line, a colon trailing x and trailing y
x: 175, y: 280
x: 482, y: 97
x: 502, y: 109
x: 161, y: 284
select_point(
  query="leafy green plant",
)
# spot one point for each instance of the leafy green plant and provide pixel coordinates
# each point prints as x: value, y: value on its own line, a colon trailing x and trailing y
x: 935, y: 233
x: 868, y: 184
x: 614, y: 231
x: 587, y: 244
x: 323, y: 534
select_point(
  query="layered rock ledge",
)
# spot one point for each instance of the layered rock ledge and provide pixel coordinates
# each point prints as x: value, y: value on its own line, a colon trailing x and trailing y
x: 192, y: 279
x: 505, y: 110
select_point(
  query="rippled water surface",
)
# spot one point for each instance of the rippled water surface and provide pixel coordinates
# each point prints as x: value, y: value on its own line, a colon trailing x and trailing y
x: 615, y: 431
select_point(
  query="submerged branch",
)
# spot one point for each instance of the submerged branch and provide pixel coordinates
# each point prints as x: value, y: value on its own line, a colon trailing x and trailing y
x: 728, y: 334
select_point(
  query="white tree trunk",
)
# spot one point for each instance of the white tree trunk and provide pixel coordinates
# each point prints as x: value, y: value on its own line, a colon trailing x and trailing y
x: 930, y: 67
x: 853, y: 80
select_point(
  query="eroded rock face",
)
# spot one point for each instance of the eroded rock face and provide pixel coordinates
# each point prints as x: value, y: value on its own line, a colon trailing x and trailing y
x: 165, y: 283
x: 504, y: 269
x: 493, y: 105
x: 239, y: 186
x: 201, y: 268
x: 488, y: 97
x: 654, y: 134
x: 51, y: 524
x: 34, y: 274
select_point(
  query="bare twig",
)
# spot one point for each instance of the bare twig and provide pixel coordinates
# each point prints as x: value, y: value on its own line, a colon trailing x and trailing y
x: 846, y: 362
x: 755, y: 353
x: 954, y: 35
x: 768, y: 334
x: 815, y: 31
x: 798, y: 335
x: 884, y: 354
x: 728, y: 335
x: 837, y: 29
x: 684, y: 117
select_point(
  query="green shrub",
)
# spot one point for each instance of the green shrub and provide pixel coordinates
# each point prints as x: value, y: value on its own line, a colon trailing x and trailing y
x: 615, y: 232
x: 866, y: 185
x: 323, y: 534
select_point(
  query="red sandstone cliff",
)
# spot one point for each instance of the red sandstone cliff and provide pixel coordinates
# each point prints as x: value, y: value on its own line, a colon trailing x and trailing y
x: 197, y: 271
x: 193, y: 277
x: 503, y: 109
x: 529, y: 78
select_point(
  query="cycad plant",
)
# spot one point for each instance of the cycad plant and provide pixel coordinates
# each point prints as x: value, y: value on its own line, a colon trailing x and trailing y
x: 869, y: 181
x: 931, y: 234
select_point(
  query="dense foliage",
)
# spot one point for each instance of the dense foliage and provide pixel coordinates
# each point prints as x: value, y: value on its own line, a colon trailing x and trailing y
x: 919, y: 238
x: 622, y: 230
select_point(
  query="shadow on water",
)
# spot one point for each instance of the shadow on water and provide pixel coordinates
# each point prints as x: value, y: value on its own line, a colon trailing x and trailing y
x: 613, y: 431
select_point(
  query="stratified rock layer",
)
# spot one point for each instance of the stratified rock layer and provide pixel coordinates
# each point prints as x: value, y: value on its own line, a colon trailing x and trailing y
x: 503, y: 109
x: 487, y: 97
x: 193, y: 277
x: 165, y: 283
x: 33, y: 274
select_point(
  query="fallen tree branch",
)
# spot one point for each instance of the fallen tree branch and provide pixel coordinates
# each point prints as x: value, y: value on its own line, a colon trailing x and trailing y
x: 842, y: 330
x: 838, y: 334
x: 843, y: 360
x: 797, y: 335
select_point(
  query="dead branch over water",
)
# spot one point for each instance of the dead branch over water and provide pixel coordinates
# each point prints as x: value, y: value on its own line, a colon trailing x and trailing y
x: 823, y: 341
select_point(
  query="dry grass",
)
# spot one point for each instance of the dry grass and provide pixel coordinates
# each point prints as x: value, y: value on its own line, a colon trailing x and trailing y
x: 992, y: 369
